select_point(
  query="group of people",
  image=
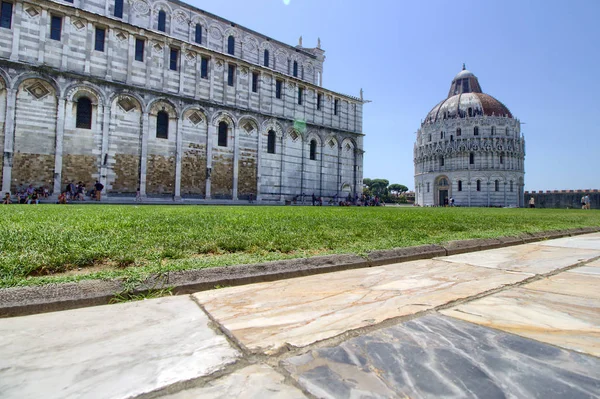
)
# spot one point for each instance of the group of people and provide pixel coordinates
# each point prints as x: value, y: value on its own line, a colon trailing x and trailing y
x: 29, y: 195
x: 73, y: 192
x: 77, y: 192
x: 585, y: 202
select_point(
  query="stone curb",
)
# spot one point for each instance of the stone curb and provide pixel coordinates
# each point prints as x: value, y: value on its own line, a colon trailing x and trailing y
x: 21, y: 301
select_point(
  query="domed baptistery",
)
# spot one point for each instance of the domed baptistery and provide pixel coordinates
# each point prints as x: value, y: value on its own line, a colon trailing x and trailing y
x: 469, y: 150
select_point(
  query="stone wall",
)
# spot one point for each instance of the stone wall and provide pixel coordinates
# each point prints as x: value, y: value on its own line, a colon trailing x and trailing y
x: 564, y: 199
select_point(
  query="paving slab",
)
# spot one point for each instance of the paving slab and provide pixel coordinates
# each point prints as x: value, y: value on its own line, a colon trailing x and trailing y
x: 563, y: 310
x: 440, y: 357
x: 115, y: 351
x: 594, y: 270
x: 529, y: 258
x: 265, y: 317
x: 257, y: 381
x: 586, y: 241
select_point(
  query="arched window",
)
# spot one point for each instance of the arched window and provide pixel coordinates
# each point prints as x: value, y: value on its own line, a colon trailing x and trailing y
x: 441, y: 135
x: 511, y: 186
x: 497, y: 185
x: 460, y: 185
x: 271, y: 142
x: 223, y: 127
x: 458, y: 132
x: 266, y: 58
x: 441, y: 164
x: 295, y: 68
x: 430, y: 137
x: 501, y: 159
x: 231, y: 45
x: 478, y: 185
x: 471, y: 159
x: 470, y: 111
x: 162, y: 125
x: 493, y: 130
x: 84, y: 113
x: 313, y: 150
x: 162, y: 21
x: 476, y: 131
x: 198, y: 36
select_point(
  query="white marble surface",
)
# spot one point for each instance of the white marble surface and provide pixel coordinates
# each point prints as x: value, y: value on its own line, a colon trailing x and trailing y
x: 257, y: 382
x: 529, y: 258
x: 266, y: 316
x: 587, y: 269
x: 585, y: 241
x: 115, y: 351
x: 563, y: 310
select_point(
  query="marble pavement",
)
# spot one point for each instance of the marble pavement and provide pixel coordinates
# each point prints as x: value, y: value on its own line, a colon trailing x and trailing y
x: 514, y: 322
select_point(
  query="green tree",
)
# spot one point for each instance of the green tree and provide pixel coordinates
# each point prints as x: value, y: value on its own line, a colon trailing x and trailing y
x: 398, y: 189
x: 379, y: 187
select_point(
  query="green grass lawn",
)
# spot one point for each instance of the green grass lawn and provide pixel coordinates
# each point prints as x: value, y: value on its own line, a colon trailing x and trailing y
x: 49, y: 243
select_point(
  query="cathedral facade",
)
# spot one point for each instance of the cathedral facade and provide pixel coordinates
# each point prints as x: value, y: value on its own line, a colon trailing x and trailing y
x: 164, y: 98
x: 469, y: 149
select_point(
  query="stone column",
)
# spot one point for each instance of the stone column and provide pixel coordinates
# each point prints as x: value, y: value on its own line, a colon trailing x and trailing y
x: 281, y: 196
x: 144, y: 155
x: 130, y: 57
x: 58, y: 155
x: 88, y: 48
x: 212, y: 131
x: 339, y: 170
x: 104, y: 153
x: 109, y: 54
x: 14, y: 55
x: 178, y: 157
x: 181, y: 67
x: 259, y: 164
x: 211, y: 72
x: 42, y: 41
x: 9, y: 138
x: 66, y: 29
x: 236, y: 163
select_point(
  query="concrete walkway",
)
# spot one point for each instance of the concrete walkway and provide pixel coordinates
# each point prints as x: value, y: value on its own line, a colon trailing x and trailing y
x: 516, y: 322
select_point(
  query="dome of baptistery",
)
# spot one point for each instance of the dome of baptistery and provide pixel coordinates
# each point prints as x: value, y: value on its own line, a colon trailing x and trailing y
x: 469, y: 150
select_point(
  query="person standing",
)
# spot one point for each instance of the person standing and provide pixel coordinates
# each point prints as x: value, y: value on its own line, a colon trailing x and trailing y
x: 532, y: 202
x: 99, y: 187
x: 587, y: 201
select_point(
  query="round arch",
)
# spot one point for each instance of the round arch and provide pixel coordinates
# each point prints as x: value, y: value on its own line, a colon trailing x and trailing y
x: 442, y: 190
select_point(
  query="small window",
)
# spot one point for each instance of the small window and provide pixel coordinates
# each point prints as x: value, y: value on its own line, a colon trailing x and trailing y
x: 441, y: 135
x: 204, y: 68
x: 476, y: 131
x: 302, y: 75
x: 507, y: 131
x: 278, y: 84
x: 295, y: 72
x: 266, y: 58
x: 84, y: 113
x: 497, y: 185
x: 230, y: 75
x: 428, y: 187
x: 460, y: 185
x: 300, y: 93
x: 198, y: 34
x: 139, y: 49
x: 501, y: 159
x: 493, y: 130
x: 319, y: 99
x: 472, y: 159
x: 271, y: 142
x: 254, y: 82
x: 313, y: 150
x: 55, y: 27
x: 429, y: 137
x: 100, y: 35
x: 231, y: 45
x: 162, y: 125
x: 162, y: 21
x: 223, y: 127
x: 470, y: 112
x: 458, y: 132
x: 441, y: 161
x: 6, y: 15
x: 336, y: 105
x: 173, y: 59
x: 511, y: 186
x: 478, y: 185
x: 118, y: 8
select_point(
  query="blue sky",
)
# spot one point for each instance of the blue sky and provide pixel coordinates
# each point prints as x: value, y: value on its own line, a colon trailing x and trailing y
x: 540, y: 58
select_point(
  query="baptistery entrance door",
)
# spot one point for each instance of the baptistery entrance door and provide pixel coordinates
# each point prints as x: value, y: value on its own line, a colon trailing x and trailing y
x: 443, y: 189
